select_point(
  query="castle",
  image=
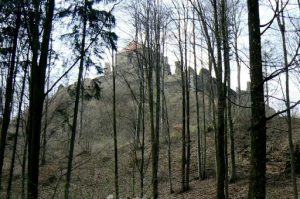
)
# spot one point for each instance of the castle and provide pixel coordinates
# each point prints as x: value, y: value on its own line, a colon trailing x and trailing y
x: 127, y: 59
x: 127, y: 62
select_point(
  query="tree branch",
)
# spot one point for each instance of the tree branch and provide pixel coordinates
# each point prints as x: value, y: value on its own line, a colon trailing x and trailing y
x: 280, y: 112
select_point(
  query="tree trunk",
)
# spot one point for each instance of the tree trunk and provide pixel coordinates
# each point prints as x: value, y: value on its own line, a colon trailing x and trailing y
x: 143, y: 142
x: 165, y: 117
x: 281, y: 24
x: 9, y: 92
x: 77, y: 96
x: 224, y: 27
x: 169, y: 146
x: 183, y: 133
x: 149, y: 75
x: 257, y: 183
x: 24, y: 168
x: 43, y: 159
x: 197, y: 102
x: 187, y: 90
x: 237, y: 57
x: 115, y: 130
x: 155, y: 150
x: 15, y: 144
x: 203, y: 173
x: 220, y: 160
x: 141, y: 120
x: 36, y: 96
x: 231, y: 132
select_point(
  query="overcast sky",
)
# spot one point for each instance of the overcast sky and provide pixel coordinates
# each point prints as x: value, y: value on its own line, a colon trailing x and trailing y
x: 271, y: 41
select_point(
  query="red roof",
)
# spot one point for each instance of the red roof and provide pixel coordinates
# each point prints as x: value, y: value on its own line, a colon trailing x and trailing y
x: 132, y: 46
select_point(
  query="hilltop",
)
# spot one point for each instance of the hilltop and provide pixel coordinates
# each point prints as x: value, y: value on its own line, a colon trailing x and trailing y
x: 94, y: 155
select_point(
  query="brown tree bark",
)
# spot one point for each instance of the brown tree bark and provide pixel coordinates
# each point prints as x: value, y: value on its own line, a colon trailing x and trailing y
x: 36, y: 95
x: 187, y: 94
x: 281, y: 24
x: 199, y: 156
x: 220, y: 160
x: 257, y: 183
x: 157, y: 50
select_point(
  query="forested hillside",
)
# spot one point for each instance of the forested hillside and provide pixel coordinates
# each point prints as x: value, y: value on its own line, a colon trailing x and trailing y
x: 149, y: 99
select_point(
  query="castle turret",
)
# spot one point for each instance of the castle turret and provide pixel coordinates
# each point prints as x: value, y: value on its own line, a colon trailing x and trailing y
x: 167, y: 67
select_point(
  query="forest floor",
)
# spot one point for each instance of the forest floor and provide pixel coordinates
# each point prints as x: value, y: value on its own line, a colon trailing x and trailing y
x: 278, y: 180
x: 93, y: 173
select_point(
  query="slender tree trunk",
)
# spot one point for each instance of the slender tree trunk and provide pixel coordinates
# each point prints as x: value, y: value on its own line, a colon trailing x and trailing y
x: 23, y: 194
x: 138, y: 143
x: 221, y: 107
x: 231, y: 133
x: 187, y: 90
x: 197, y: 102
x: 203, y: 173
x: 43, y: 159
x: 257, y: 183
x: 81, y: 113
x: 281, y: 24
x: 15, y: 144
x: 237, y: 57
x: 149, y: 75
x: 76, y: 106
x: 212, y: 96
x: 155, y: 154
x: 25, y: 149
x: 225, y: 38
x: 169, y: 146
x: 141, y: 121
x: 151, y: 107
x: 165, y: 117
x: 226, y: 153
x: 183, y: 133
x: 9, y: 92
x: 266, y: 85
x: 231, y: 127
x: 115, y: 130
x: 133, y: 181
x: 143, y: 141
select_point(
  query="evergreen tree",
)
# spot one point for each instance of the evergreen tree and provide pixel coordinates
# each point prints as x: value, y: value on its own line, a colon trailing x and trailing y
x: 92, y: 32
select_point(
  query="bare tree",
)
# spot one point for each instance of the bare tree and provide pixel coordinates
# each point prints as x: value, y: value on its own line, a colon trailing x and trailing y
x: 115, y: 128
x: 282, y: 28
x: 197, y: 101
x: 16, y: 136
x: 36, y: 95
x: 257, y: 183
x: 9, y: 86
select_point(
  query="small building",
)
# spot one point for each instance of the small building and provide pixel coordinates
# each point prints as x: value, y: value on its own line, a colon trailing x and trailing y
x: 133, y: 56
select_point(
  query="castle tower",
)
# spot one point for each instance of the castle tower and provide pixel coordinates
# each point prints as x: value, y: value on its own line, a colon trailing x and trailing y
x: 192, y: 75
x: 167, y: 67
